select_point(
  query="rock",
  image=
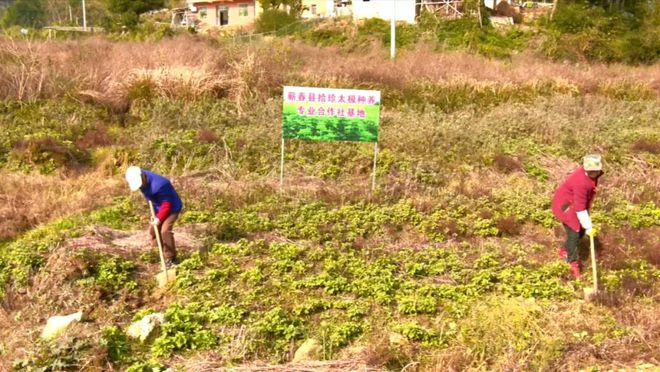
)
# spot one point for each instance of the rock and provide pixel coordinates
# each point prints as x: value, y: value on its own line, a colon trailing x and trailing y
x: 397, y: 339
x: 58, y: 324
x: 309, y: 350
x: 143, y: 327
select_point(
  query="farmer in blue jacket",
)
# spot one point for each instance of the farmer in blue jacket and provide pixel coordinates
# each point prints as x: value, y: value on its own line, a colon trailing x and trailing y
x: 167, y: 206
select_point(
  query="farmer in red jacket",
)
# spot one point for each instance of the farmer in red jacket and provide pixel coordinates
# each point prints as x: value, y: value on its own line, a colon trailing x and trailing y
x: 167, y: 206
x: 571, y: 204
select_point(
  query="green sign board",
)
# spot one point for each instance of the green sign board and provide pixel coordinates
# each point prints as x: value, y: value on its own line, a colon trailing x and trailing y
x: 321, y: 114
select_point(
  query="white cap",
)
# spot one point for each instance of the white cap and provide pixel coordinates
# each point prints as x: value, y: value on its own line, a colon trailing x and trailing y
x: 134, y: 177
x: 592, y: 162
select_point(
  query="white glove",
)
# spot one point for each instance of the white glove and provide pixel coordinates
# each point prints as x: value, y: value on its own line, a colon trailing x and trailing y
x: 155, y: 221
x: 585, y: 220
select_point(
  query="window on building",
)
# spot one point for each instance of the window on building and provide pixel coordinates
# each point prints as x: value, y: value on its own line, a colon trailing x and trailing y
x: 222, y: 17
x: 243, y: 10
x: 203, y: 12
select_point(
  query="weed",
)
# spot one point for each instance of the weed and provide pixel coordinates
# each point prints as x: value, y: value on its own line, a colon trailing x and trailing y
x: 227, y: 315
x: 23, y: 257
x: 336, y: 335
x: 147, y: 366
x: 415, y: 332
x: 111, y: 274
x: 184, y: 329
x: 507, y: 332
x: 280, y: 327
x: 116, y: 343
x: 68, y: 355
x: 120, y: 215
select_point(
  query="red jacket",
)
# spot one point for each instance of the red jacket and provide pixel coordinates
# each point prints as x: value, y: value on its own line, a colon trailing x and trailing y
x: 572, y: 196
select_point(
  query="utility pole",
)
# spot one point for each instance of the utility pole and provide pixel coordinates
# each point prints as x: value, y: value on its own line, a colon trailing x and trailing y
x: 84, y: 16
x: 393, y: 31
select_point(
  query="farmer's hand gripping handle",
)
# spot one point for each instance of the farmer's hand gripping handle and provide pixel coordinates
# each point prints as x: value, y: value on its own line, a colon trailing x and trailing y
x: 158, y: 240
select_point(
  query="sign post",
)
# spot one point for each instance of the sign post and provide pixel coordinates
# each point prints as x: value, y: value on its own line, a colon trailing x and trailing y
x: 282, y: 165
x: 84, y: 14
x: 393, y: 32
x: 373, y: 177
x: 326, y: 114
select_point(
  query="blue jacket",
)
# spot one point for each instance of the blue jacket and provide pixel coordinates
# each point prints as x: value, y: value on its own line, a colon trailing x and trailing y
x: 158, y: 190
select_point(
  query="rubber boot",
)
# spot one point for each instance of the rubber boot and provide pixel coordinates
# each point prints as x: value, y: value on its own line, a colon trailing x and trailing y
x: 575, y: 270
x: 563, y: 253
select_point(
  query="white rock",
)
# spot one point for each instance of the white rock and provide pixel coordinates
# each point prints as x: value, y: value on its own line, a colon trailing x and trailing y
x: 308, y: 351
x: 397, y: 339
x: 143, y: 327
x: 58, y: 323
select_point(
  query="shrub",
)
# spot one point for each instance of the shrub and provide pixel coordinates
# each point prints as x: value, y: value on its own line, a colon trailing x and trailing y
x: 273, y: 20
x: 25, y: 13
x: 47, y: 154
x: 508, y: 332
x: 581, y: 31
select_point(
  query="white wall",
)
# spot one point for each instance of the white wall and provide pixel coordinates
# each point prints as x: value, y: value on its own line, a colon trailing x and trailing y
x: 404, y: 10
x: 492, y: 3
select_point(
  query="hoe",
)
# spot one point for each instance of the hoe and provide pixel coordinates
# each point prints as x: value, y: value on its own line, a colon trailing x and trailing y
x: 590, y: 292
x: 166, y: 275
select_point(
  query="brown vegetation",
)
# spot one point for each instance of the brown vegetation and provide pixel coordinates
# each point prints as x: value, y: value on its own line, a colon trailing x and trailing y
x: 104, y: 72
x: 507, y: 164
x: 645, y: 145
x: 27, y: 200
x: 207, y: 136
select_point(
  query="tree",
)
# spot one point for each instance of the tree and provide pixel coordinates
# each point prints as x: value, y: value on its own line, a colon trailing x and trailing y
x: 294, y: 6
x: 25, y: 13
x: 129, y: 11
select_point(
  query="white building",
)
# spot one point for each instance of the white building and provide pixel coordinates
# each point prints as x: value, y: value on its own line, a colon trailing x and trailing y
x: 404, y: 10
x: 492, y: 4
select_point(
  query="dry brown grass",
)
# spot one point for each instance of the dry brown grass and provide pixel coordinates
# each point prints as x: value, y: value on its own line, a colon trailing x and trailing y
x: 638, y: 347
x: 426, y: 64
x: 53, y: 69
x: 27, y: 200
x: 644, y: 145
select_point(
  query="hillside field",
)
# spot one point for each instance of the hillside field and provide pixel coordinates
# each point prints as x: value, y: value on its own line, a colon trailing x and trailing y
x: 449, y: 264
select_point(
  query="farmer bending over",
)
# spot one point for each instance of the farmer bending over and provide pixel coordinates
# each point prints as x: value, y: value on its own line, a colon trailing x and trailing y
x: 167, y: 206
x: 571, y: 204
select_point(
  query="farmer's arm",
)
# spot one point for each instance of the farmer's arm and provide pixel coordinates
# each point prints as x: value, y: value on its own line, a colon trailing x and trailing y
x: 581, y: 205
x: 164, y: 210
x: 166, y: 195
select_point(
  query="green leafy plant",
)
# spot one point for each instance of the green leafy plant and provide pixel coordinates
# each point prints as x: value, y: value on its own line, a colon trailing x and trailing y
x: 116, y: 343
x: 112, y: 274
x: 184, y: 329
